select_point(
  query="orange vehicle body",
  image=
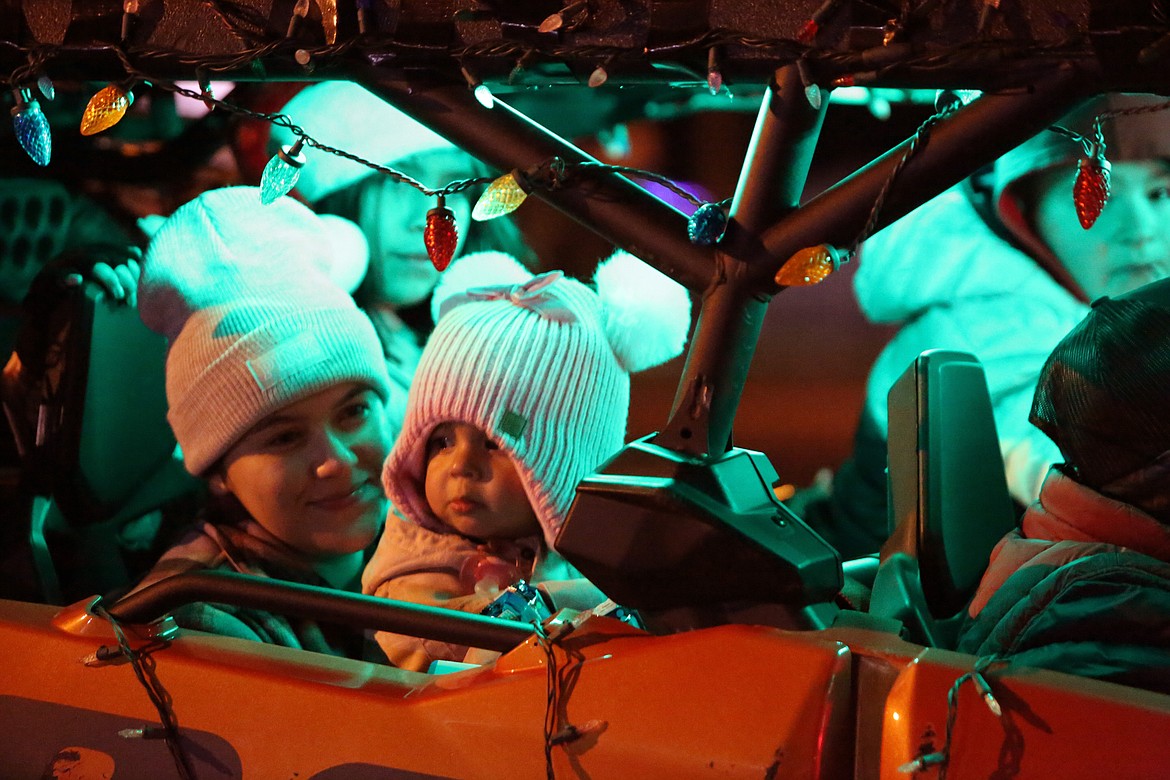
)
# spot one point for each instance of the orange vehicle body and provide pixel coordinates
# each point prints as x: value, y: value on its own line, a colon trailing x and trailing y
x: 731, y: 701
x: 601, y: 699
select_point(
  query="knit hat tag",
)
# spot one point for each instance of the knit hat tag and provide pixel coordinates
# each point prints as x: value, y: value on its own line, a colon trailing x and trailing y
x: 533, y: 295
x: 512, y: 424
x: 286, y: 360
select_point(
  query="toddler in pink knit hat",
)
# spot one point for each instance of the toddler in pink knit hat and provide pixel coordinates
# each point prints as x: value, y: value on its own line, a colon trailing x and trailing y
x: 522, y: 390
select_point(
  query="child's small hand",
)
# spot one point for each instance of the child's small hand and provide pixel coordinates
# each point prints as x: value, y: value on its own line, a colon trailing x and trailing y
x: 120, y: 281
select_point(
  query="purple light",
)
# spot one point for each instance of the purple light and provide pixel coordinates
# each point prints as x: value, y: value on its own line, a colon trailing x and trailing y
x: 674, y: 199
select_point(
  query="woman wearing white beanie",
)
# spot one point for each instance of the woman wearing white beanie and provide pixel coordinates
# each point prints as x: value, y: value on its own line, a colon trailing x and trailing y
x: 396, y: 289
x: 523, y: 390
x: 276, y: 392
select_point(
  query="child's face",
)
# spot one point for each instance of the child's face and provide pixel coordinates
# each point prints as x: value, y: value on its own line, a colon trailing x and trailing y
x: 473, y: 487
x: 393, y: 217
x: 310, y: 473
x: 1128, y: 246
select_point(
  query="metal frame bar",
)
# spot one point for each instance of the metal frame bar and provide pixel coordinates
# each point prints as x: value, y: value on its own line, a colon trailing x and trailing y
x: 766, y: 227
x: 973, y: 136
x: 321, y: 604
x: 771, y: 180
x: 619, y: 210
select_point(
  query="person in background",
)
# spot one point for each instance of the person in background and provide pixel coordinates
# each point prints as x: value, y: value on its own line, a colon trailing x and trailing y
x: 276, y: 391
x: 1083, y: 586
x: 397, y: 287
x: 1003, y: 275
x: 523, y: 389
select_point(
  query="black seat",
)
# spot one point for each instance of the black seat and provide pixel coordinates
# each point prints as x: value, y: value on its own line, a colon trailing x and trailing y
x: 948, y: 497
x: 84, y: 395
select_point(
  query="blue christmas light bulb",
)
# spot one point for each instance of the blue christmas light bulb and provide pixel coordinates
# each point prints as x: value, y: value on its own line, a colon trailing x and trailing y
x: 706, y: 225
x: 32, y: 129
x: 282, y: 171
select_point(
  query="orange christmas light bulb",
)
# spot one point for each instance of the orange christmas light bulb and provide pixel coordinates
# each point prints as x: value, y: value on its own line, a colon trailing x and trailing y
x: 105, y: 109
x: 502, y: 196
x: 809, y: 266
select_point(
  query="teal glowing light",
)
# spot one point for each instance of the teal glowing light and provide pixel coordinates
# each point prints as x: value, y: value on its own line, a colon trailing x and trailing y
x: 481, y: 91
x: 281, y: 173
x: 45, y: 85
x: 32, y: 129
x: 484, y: 96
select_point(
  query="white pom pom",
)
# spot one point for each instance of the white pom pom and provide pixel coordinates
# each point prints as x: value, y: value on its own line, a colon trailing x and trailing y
x: 647, y: 314
x: 478, y: 269
x: 345, y: 255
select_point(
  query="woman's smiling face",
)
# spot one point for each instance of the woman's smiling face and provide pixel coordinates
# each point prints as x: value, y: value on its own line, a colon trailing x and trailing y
x: 310, y: 473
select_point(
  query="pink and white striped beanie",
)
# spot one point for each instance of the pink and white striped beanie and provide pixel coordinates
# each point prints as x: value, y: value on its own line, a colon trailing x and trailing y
x: 542, y: 365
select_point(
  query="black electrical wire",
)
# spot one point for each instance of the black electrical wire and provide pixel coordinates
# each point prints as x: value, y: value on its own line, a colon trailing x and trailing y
x: 157, y: 694
x: 550, y: 707
x: 918, y: 141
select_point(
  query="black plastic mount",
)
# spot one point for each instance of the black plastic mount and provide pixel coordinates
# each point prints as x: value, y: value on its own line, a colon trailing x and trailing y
x: 657, y: 530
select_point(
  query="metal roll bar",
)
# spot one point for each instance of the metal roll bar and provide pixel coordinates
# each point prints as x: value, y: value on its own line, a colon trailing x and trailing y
x: 320, y: 604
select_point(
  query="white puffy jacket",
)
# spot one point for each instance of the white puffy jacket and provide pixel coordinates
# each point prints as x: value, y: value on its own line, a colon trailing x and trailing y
x: 955, y: 284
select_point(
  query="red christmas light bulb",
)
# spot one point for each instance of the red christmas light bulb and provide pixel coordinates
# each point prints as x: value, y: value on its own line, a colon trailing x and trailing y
x: 1091, y: 189
x: 808, y: 31
x: 441, y: 235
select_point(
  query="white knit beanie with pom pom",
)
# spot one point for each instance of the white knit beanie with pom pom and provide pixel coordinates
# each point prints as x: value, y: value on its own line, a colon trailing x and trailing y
x: 542, y: 365
x: 248, y: 298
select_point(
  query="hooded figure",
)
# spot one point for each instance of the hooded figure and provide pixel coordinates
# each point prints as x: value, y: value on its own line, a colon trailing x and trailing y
x: 1004, y: 285
x: 1083, y: 586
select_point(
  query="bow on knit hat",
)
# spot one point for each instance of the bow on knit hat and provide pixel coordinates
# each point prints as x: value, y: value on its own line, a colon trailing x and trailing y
x: 533, y: 295
x: 541, y: 365
x: 247, y: 298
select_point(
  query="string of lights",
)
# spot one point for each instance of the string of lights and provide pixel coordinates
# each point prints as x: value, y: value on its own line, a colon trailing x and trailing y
x: 820, y: 68
x: 1091, y: 189
x: 941, y: 758
x: 505, y: 193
